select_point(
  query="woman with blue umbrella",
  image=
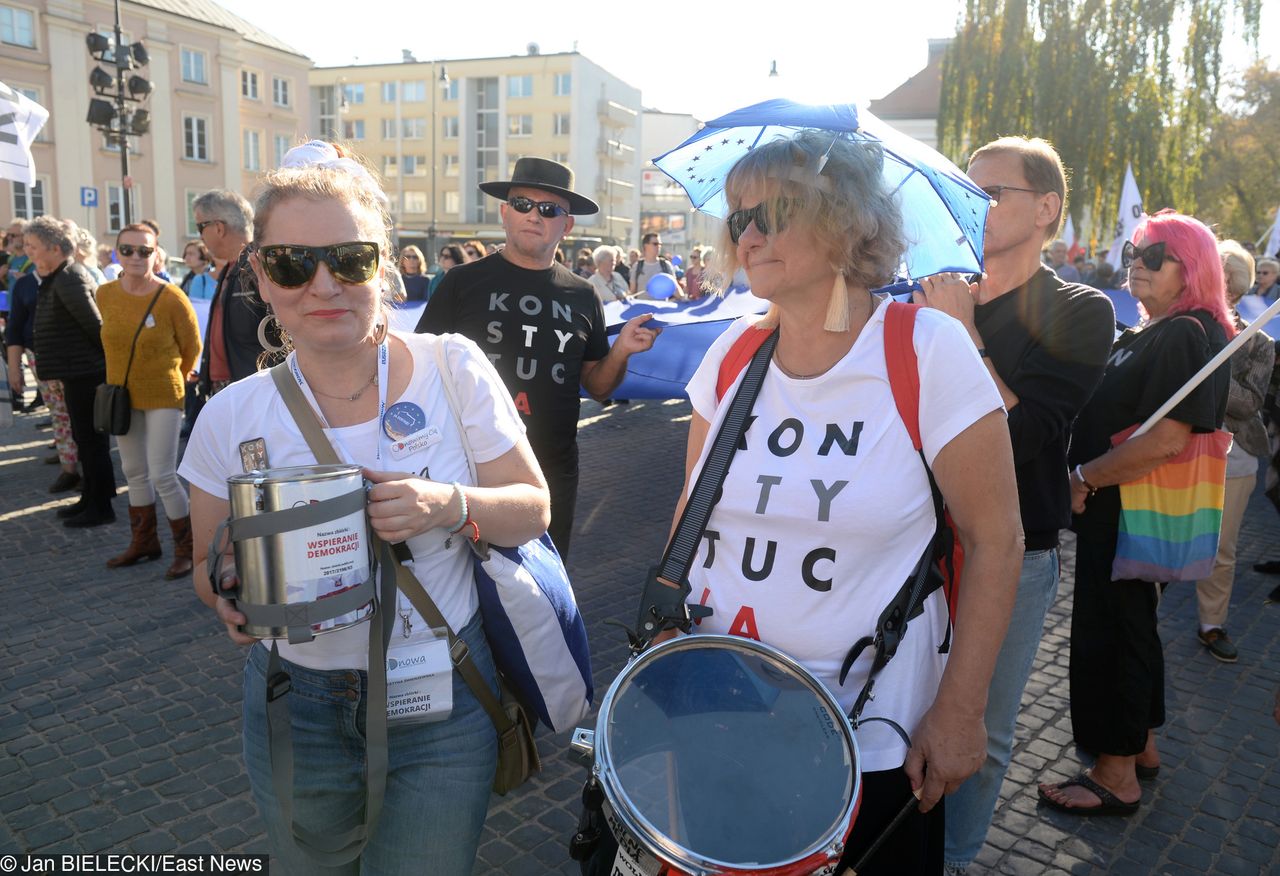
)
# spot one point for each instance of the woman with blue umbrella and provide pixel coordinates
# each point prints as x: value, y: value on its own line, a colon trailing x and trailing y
x: 827, y: 507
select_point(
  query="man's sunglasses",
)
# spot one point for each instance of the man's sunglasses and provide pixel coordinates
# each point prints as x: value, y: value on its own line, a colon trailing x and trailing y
x: 740, y: 219
x: 293, y: 265
x: 1153, y: 256
x: 127, y: 250
x: 546, y: 209
x: 201, y: 226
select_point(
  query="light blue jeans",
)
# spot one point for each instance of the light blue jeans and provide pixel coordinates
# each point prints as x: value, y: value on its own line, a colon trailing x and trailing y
x: 970, y: 808
x: 438, y: 780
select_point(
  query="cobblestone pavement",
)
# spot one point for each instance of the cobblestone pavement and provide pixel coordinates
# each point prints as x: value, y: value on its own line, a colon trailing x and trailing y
x: 119, y: 696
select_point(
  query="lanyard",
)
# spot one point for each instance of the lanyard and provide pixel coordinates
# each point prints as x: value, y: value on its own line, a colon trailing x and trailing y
x: 384, y: 358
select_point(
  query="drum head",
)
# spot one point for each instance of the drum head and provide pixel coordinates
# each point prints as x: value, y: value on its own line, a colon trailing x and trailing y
x: 728, y: 750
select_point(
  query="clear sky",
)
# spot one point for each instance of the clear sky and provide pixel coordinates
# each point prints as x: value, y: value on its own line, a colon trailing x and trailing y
x: 704, y: 57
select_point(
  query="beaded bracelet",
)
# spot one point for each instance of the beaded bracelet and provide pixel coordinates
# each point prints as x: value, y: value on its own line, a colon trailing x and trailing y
x: 463, y: 510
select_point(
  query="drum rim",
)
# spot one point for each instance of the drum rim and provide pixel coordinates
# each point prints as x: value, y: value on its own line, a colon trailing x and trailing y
x: 672, y: 852
x: 278, y: 474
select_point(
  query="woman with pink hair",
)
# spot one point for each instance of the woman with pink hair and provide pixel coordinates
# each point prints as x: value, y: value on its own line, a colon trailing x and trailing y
x: 1117, y: 663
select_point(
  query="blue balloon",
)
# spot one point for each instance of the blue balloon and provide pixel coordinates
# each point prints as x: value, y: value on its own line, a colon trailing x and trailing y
x: 661, y: 286
x: 676, y: 260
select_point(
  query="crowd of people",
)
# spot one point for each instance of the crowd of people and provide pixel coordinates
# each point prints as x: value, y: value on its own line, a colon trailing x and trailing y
x: 1023, y: 377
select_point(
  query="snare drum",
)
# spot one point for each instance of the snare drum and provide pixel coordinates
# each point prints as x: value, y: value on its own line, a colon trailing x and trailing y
x: 720, y: 755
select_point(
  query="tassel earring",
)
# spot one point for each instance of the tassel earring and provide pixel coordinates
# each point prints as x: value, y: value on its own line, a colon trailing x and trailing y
x: 838, y: 309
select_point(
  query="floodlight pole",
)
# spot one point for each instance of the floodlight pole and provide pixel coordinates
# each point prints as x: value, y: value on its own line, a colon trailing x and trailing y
x: 122, y: 67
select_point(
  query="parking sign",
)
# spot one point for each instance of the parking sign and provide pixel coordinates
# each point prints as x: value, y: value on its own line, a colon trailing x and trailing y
x: 88, y: 196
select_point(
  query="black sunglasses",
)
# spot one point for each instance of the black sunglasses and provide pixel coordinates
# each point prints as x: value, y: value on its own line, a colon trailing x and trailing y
x: 546, y: 209
x: 201, y: 226
x: 740, y: 219
x: 1153, y: 256
x: 994, y: 192
x: 293, y: 265
x: 128, y: 249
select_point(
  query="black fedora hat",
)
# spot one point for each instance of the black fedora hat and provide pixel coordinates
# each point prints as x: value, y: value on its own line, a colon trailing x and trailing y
x: 550, y: 176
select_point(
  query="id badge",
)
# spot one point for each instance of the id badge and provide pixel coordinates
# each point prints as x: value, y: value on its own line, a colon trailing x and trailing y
x: 419, y: 678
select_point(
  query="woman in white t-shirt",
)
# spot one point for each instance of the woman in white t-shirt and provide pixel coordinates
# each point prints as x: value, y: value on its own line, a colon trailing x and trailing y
x: 827, y: 509
x: 321, y: 259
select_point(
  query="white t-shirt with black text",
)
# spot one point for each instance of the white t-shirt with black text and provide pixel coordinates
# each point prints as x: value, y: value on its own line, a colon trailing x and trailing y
x: 827, y: 510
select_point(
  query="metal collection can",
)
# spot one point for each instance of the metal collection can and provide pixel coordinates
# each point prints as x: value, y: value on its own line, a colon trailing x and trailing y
x: 302, y: 565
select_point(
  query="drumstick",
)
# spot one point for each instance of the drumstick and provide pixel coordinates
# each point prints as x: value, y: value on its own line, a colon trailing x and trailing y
x: 906, y: 810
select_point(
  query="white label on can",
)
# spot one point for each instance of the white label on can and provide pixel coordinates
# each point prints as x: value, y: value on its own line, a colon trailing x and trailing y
x: 327, y: 559
x: 645, y: 865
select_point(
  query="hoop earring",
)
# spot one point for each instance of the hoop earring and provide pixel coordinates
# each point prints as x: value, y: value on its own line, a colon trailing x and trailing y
x: 838, y: 310
x: 273, y: 349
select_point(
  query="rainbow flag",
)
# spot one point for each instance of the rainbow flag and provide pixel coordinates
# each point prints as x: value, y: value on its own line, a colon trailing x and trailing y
x: 1170, y: 519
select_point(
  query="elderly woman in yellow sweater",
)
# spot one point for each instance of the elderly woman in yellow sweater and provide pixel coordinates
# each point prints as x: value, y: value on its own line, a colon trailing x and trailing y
x: 154, y: 368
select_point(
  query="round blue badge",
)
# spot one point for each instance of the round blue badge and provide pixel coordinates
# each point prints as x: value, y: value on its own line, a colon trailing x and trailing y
x: 402, y: 420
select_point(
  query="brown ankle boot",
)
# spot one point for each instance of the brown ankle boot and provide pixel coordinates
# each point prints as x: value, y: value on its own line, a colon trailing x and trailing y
x: 181, y: 529
x: 144, y: 545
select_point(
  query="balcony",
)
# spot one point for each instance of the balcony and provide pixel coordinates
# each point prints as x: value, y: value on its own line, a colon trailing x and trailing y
x: 614, y: 114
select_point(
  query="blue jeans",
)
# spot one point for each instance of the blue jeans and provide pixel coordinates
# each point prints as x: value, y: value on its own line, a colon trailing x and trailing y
x: 438, y: 781
x: 970, y: 808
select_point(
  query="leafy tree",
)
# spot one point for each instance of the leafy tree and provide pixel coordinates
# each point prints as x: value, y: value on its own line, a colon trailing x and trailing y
x: 1239, y: 188
x: 1098, y: 79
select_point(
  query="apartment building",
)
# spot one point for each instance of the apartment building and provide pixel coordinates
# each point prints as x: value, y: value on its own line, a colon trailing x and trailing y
x: 470, y: 119
x: 228, y: 101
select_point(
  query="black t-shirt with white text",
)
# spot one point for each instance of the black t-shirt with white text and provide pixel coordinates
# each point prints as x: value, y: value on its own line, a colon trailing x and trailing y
x: 1146, y: 368
x: 537, y: 327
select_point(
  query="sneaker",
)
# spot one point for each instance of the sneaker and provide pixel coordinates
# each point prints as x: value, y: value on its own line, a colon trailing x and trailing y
x: 1218, y: 644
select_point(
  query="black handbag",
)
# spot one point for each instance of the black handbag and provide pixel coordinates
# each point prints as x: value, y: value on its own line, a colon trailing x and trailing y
x: 111, y: 403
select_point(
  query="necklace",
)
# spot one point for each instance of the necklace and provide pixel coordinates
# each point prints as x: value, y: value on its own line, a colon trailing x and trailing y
x: 373, y: 381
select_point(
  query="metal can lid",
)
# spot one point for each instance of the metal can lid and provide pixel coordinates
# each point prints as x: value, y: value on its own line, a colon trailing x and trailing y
x: 296, y: 473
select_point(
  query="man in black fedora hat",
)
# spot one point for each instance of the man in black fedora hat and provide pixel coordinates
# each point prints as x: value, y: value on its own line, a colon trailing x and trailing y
x: 542, y: 326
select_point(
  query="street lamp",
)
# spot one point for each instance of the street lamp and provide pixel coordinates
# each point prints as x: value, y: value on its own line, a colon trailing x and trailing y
x: 115, y: 120
x: 441, y: 83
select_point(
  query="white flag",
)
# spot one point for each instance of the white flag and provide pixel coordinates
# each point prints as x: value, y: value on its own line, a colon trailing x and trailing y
x: 21, y: 119
x: 1069, y: 233
x: 1273, y: 242
x: 1129, y: 217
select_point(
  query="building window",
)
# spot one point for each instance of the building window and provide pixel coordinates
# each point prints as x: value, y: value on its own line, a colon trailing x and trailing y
x: 452, y: 203
x: 564, y: 84
x: 413, y: 129
x: 195, y: 138
x: 415, y: 202
x: 388, y: 92
x: 190, y: 196
x: 451, y: 165
x: 18, y: 27
x: 33, y: 94
x: 28, y: 203
x: 353, y: 92
x: 451, y: 90
x: 561, y: 124
x: 282, y: 146
x: 195, y: 65
x: 249, y: 85
x: 413, y: 92
x: 520, y: 125
x: 511, y: 163
x: 415, y: 165
x: 389, y: 167
x: 560, y: 157
x: 519, y: 86
x: 115, y: 218
x: 449, y: 125
x: 353, y: 130
x: 251, y: 147
x: 280, y: 91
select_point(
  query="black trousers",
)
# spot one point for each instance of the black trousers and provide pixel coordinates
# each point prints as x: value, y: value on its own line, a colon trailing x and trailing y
x: 913, y: 849
x: 560, y: 468
x: 94, y: 449
x: 1117, y: 661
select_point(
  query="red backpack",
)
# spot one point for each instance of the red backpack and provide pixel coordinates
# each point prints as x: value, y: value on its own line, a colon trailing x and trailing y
x: 904, y: 383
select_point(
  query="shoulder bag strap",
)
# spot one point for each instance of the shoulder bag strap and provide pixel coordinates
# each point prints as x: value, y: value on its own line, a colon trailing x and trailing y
x: 133, y: 346
x: 678, y: 558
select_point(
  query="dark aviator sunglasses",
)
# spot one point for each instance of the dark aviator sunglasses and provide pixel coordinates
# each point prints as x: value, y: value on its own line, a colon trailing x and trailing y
x: 292, y: 265
x: 739, y: 220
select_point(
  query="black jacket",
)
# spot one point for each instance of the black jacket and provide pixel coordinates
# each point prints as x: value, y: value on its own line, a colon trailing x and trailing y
x: 242, y: 311
x: 68, y: 337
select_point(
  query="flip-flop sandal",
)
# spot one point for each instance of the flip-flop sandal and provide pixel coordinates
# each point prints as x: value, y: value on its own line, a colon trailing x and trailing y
x: 1146, y: 773
x: 1110, y: 805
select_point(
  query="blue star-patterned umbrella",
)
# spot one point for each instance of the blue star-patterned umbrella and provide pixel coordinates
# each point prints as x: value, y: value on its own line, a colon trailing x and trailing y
x: 943, y: 211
